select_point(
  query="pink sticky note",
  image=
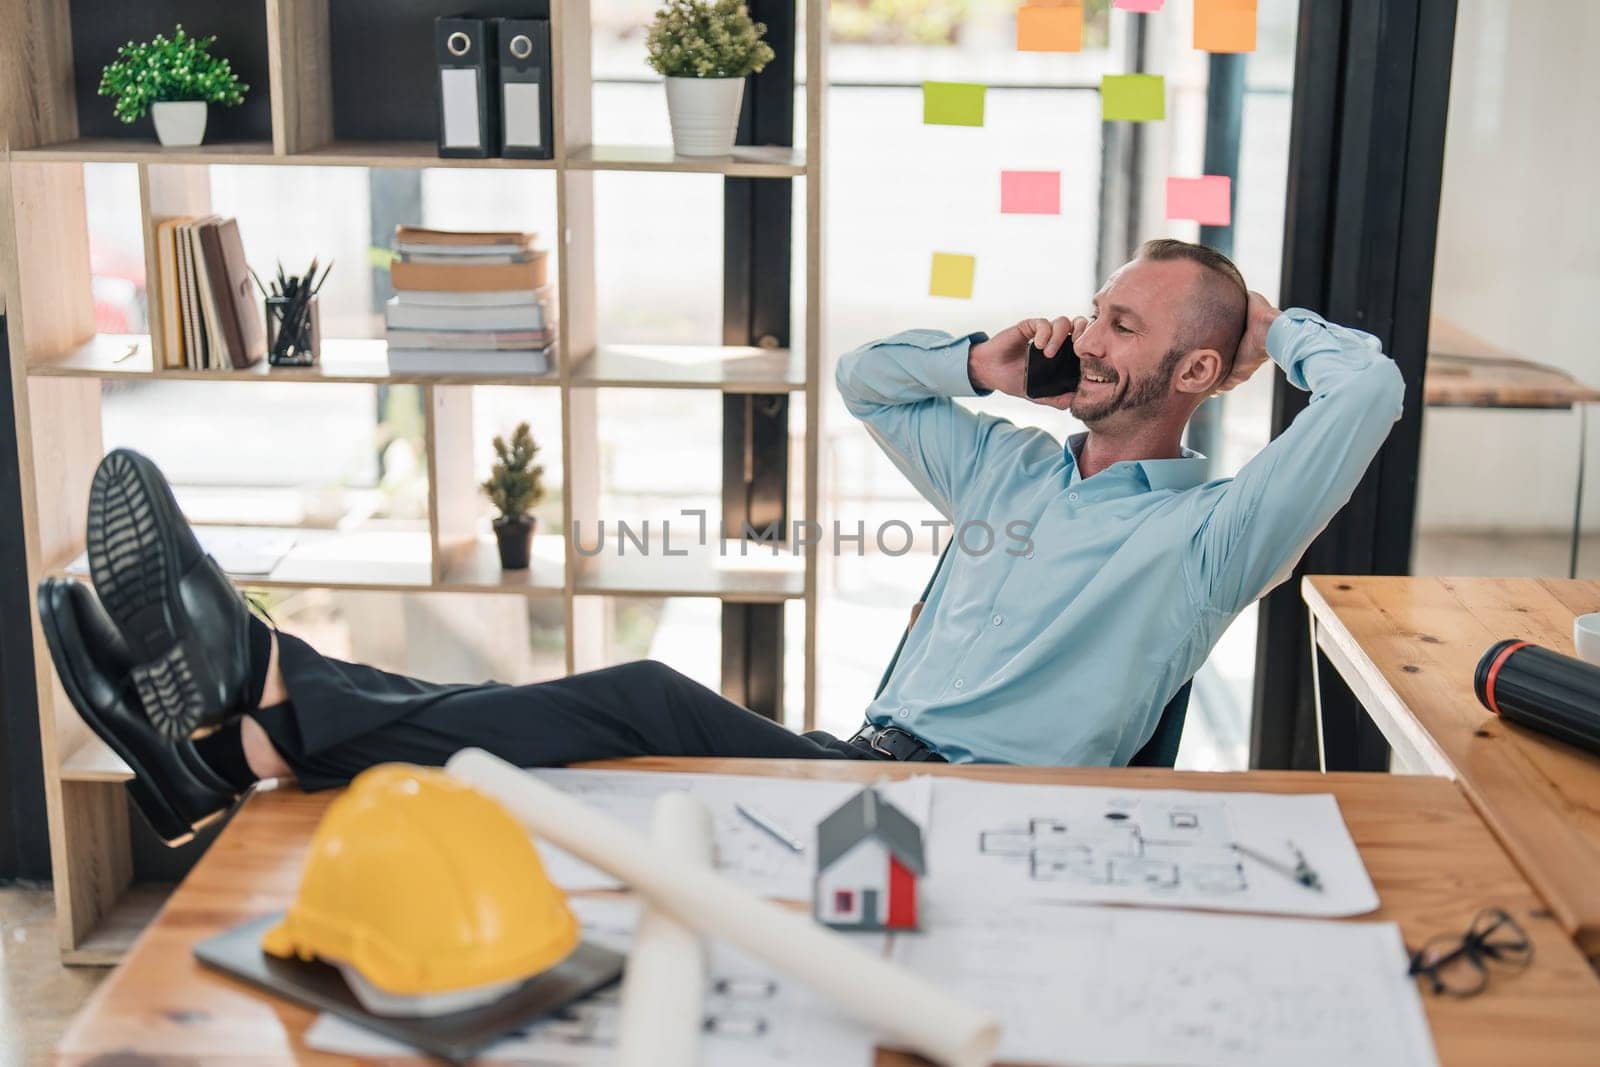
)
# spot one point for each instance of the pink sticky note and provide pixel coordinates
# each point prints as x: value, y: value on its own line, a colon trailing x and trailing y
x: 1207, y: 200
x: 1030, y: 192
x: 1146, y: 6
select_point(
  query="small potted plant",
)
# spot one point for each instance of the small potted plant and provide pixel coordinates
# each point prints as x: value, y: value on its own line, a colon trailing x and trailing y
x: 514, y: 487
x: 705, y: 48
x: 173, y: 80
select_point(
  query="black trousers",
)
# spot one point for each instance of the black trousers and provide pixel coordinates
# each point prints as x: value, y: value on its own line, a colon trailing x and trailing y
x: 342, y: 718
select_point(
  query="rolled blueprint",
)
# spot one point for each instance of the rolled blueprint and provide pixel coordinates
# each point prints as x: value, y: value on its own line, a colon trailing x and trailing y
x: 664, y: 987
x: 908, y: 1011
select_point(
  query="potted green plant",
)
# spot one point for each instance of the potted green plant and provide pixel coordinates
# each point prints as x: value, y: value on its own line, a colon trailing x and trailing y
x: 514, y: 487
x: 173, y: 80
x: 706, y: 49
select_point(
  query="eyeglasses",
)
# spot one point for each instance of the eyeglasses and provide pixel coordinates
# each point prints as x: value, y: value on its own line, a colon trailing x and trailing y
x: 1458, y: 965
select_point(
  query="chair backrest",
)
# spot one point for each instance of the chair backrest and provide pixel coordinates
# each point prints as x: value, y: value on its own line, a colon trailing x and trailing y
x: 1160, y: 751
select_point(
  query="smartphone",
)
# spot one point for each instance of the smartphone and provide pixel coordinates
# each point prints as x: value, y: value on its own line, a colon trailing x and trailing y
x: 1055, y: 375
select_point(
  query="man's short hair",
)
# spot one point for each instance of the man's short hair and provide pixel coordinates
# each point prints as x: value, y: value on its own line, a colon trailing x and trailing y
x: 1221, y: 300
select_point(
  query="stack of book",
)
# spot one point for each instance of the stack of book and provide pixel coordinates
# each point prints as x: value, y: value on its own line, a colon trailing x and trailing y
x: 469, y: 303
x: 210, y: 315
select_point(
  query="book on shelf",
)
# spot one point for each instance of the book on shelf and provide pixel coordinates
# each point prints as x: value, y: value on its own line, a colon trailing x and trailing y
x: 425, y: 235
x: 449, y: 277
x: 209, y: 317
x: 533, y: 310
x: 492, y: 340
x: 469, y: 299
x: 531, y: 362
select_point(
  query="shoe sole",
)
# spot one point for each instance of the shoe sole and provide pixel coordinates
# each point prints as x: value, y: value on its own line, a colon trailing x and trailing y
x: 135, y: 569
x: 168, y: 825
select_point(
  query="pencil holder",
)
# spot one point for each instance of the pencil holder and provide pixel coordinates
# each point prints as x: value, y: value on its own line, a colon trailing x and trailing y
x: 293, y: 333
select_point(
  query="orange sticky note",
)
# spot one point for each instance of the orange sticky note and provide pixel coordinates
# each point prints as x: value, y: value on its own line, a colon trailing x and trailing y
x: 952, y: 275
x: 1030, y: 192
x: 1050, y: 28
x: 1207, y: 200
x: 1225, y: 25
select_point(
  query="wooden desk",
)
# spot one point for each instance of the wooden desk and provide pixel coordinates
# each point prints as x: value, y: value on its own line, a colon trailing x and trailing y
x: 1408, y: 648
x: 1431, y: 858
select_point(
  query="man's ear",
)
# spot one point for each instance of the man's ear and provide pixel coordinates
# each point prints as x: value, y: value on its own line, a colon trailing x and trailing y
x: 1200, y: 371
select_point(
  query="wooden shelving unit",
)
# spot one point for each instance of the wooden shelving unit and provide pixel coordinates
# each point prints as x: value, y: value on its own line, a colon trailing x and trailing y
x: 59, y: 363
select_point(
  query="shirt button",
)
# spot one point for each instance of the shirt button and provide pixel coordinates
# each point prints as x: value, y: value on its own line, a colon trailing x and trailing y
x: 1028, y: 554
x: 960, y: 683
x: 904, y: 714
x: 1072, y: 496
x: 998, y: 619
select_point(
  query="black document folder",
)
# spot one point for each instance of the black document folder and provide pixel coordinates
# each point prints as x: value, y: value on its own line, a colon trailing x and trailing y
x: 523, y: 57
x: 468, y: 114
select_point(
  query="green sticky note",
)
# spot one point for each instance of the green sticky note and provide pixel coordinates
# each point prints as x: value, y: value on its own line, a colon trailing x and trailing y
x: 952, y: 104
x: 1133, y: 97
x: 952, y: 275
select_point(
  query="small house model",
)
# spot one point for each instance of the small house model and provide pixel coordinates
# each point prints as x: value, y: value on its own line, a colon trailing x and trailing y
x: 869, y: 857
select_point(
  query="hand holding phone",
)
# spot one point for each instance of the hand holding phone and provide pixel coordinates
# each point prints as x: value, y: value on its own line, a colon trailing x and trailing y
x: 1049, y: 376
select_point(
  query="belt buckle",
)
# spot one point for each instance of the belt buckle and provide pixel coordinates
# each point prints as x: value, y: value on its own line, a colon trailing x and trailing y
x: 872, y: 742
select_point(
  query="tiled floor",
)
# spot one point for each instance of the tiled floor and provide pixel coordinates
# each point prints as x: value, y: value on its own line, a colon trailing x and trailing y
x: 38, y: 996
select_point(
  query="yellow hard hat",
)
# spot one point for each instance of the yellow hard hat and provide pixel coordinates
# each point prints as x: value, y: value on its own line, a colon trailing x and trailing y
x: 424, y: 885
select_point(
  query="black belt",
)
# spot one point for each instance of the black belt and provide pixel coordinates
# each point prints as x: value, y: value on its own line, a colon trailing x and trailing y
x: 895, y: 743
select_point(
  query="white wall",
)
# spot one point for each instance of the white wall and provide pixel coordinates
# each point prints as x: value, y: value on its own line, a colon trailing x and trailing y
x: 1519, y: 257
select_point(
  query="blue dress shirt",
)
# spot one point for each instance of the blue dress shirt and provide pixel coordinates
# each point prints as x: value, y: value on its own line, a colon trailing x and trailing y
x: 1098, y: 597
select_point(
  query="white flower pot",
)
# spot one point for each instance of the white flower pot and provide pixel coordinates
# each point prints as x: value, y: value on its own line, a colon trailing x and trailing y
x: 179, y: 122
x: 704, y: 114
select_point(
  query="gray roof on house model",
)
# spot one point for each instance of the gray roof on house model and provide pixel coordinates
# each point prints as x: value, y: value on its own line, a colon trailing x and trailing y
x: 867, y: 814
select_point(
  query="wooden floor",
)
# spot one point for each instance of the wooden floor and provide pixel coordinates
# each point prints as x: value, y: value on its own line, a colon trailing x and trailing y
x: 38, y: 996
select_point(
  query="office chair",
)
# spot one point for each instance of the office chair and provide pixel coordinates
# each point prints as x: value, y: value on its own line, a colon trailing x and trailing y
x: 1162, y: 748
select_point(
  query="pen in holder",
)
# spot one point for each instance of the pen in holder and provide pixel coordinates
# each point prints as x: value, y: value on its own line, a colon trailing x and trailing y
x: 293, y: 332
x: 293, y: 336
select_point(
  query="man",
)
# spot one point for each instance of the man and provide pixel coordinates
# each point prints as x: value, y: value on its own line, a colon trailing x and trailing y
x: 1060, y: 648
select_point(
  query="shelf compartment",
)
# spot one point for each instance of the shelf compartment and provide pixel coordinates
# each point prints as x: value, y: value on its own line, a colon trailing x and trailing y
x: 367, y: 558
x: 713, y: 570
x: 348, y: 361
x: 110, y: 938
x: 730, y: 369
x: 744, y: 162
x: 475, y: 568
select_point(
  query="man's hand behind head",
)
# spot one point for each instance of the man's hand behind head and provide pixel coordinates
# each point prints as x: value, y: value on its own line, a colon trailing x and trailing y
x: 1253, y: 345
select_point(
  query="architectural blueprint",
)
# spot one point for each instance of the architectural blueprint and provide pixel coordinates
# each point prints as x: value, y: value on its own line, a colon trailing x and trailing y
x: 744, y: 854
x: 1142, y: 846
x: 1148, y: 986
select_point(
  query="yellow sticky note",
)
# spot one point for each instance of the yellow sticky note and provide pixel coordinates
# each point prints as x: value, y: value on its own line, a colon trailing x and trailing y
x: 1050, y: 28
x: 1225, y: 25
x: 952, y: 275
x: 952, y: 104
x: 1133, y: 97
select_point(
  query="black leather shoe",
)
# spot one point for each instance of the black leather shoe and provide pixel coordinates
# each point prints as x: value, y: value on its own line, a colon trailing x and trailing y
x: 172, y: 787
x: 186, y: 625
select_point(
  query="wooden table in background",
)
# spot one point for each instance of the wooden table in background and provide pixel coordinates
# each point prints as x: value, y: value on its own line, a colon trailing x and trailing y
x: 1431, y: 858
x: 1408, y: 648
x: 1465, y: 371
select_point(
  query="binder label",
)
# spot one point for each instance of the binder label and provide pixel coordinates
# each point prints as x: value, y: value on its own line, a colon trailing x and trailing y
x: 459, y: 90
x: 521, y: 110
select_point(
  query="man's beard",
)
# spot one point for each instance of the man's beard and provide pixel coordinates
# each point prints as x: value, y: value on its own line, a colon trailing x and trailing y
x: 1140, y: 394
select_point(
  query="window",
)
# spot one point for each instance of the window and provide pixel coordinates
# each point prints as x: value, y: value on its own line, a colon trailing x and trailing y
x: 844, y: 901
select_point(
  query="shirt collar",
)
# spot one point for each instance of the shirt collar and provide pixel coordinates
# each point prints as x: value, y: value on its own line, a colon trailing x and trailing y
x: 1186, y: 472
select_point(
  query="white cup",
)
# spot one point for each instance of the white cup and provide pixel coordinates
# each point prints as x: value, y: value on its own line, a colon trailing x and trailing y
x: 1586, y: 637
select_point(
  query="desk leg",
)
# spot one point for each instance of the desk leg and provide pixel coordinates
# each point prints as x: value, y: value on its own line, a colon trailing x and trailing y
x: 1316, y: 693
x: 1577, y: 508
